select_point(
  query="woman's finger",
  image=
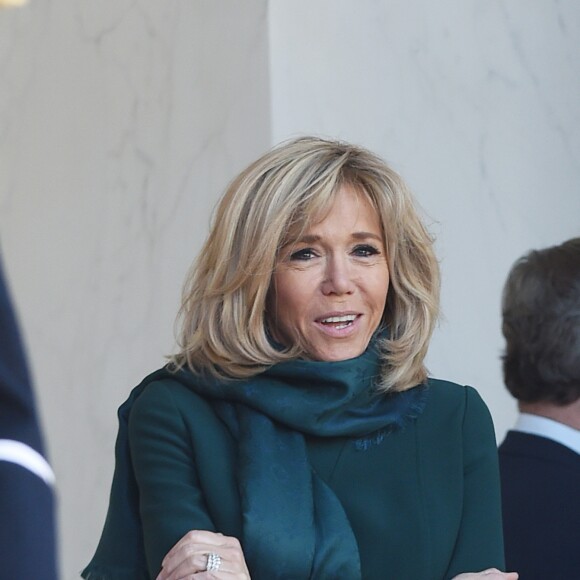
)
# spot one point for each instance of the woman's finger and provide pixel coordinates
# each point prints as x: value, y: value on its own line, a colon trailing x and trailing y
x: 489, y: 574
x: 190, y: 557
x: 195, y: 537
x: 194, y: 542
x: 199, y: 560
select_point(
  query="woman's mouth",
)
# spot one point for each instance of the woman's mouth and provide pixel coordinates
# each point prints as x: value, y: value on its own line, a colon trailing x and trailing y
x: 339, y: 322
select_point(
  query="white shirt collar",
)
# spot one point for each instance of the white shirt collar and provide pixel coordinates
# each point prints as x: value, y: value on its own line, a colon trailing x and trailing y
x: 544, y: 427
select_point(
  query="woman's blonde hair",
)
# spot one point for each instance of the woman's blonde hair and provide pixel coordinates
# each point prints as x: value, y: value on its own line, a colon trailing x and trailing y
x: 223, y: 316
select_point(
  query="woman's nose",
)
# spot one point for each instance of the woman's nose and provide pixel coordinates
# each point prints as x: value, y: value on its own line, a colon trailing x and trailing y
x: 338, y: 277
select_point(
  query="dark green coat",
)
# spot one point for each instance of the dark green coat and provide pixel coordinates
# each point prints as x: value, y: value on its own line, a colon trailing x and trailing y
x: 423, y: 503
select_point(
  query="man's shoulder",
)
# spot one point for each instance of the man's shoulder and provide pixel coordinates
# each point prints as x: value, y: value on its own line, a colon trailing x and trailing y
x: 532, y: 447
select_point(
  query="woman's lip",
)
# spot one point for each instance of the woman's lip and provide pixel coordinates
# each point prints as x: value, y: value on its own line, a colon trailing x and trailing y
x: 333, y: 331
x: 335, y: 314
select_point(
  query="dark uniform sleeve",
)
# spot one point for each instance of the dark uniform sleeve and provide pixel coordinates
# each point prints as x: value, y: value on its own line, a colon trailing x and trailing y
x: 480, y: 541
x: 27, y: 529
x: 170, y: 499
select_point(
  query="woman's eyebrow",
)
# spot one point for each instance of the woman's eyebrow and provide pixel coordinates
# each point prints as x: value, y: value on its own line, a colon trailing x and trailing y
x: 366, y: 235
x: 309, y: 239
x: 313, y: 238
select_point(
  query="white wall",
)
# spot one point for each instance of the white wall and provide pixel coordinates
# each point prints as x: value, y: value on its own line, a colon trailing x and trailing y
x: 120, y: 124
x: 477, y: 105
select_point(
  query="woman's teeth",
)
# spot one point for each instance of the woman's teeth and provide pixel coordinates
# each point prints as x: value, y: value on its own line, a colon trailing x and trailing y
x: 339, y: 322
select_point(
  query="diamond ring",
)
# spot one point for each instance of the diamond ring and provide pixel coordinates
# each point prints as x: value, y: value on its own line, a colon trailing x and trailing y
x: 214, y: 562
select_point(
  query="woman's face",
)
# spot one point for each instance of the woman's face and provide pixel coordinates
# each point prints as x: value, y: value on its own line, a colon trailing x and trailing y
x: 330, y: 287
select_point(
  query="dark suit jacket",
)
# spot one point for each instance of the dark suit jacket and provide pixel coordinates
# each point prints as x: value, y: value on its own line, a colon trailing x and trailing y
x: 27, y: 537
x: 541, y: 507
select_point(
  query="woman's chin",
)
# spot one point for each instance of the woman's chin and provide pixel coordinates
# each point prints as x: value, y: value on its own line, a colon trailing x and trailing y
x: 337, y: 353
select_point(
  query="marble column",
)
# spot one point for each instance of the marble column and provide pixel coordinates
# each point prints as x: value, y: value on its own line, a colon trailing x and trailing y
x: 120, y: 124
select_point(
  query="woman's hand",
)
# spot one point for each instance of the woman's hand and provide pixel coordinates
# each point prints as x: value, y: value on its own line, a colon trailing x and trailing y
x: 190, y: 556
x: 489, y: 574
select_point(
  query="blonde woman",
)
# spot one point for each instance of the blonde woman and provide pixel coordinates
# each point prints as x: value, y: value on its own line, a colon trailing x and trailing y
x: 296, y: 434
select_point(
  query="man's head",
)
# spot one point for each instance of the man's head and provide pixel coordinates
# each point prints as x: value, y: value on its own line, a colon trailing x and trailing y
x: 541, y: 325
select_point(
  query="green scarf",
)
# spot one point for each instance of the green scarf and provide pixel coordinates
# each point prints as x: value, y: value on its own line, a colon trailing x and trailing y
x: 294, y: 527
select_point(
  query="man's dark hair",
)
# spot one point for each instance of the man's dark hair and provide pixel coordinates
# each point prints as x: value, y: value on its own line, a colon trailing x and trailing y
x: 541, y: 325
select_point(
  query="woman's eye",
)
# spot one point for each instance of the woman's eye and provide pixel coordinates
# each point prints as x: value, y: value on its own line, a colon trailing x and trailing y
x: 365, y: 250
x: 304, y: 254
